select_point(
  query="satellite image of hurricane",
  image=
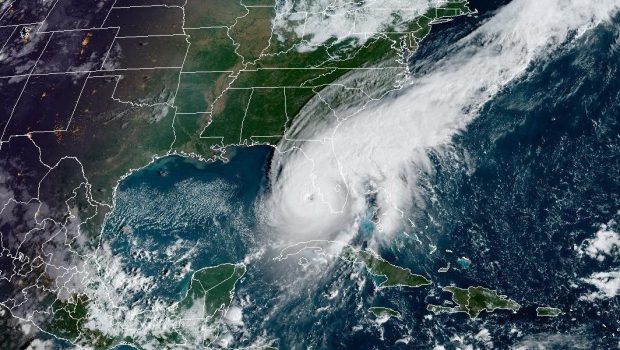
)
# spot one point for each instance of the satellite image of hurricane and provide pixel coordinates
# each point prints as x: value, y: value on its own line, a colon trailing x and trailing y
x: 309, y: 174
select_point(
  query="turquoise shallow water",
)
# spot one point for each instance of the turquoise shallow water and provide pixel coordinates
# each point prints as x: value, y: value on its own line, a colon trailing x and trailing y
x: 533, y: 176
x: 179, y: 213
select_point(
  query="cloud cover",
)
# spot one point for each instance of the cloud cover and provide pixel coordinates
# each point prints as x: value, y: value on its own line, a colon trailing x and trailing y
x: 605, y: 243
x: 319, y: 21
x: 321, y: 185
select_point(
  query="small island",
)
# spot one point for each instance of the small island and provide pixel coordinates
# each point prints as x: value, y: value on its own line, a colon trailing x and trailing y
x: 474, y: 300
x: 545, y: 311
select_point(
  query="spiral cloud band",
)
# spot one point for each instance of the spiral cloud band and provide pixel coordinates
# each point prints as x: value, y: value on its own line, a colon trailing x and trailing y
x: 335, y: 168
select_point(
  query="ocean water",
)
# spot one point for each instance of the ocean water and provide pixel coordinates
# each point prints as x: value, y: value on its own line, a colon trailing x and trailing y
x: 529, y: 180
x: 179, y: 215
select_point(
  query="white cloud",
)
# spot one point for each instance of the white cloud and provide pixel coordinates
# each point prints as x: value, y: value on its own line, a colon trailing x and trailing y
x: 234, y: 315
x: 605, y: 243
x: 608, y: 284
x: 318, y: 21
x: 38, y: 344
x: 321, y: 185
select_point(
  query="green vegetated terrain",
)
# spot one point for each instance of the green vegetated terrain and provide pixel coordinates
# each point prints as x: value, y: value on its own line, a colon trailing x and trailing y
x: 210, y: 293
x: 474, y: 300
x: 393, y: 276
x: 545, y: 311
x: 227, y: 81
x: 233, y: 82
x: 213, y: 288
x: 384, y: 312
x: 68, y: 322
x: 268, y: 70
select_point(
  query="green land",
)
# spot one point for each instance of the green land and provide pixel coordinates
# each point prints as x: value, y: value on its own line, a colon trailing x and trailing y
x: 266, y: 81
x: 238, y: 84
x: 544, y: 311
x: 211, y: 290
x: 393, y: 276
x: 213, y: 286
x: 384, y: 312
x: 474, y: 300
x: 68, y: 322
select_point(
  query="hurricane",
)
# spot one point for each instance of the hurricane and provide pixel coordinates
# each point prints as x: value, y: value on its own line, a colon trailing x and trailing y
x: 331, y: 171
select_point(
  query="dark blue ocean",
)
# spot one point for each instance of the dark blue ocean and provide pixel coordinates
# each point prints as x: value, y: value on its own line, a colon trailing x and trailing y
x: 536, y: 174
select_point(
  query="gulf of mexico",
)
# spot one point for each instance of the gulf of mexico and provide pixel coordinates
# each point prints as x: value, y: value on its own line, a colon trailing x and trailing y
x: 178, y: 214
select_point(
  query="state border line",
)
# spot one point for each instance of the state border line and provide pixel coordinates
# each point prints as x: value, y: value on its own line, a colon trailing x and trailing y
x: 77, y: 102
x: 65, y: 129
x: 146, y: 6
x: 76, y: 30
x: 111, y: 72
x: 47, y: 15
x: 206, y: 27
x: 114, y: 7
x: 103, y: 71
x: 188, y: 72
x: 108, y: 14
x: 8, y: 39
x: 21, y: 24
x: 8, y: 122
x: 105, y: 59
x: 6, y: 10
x: 150, y: 36
x: 176, y: 91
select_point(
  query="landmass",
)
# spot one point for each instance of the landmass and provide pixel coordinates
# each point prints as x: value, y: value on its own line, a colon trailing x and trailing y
x: 473, y: 301
x: 68, y: 322
x: 392, y: 275
x: 384, y: 312
x: 207, y: 299
x: 122, y: 92
x: 213, y: 287
x: 545, y: 311
x: 395, y: 276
